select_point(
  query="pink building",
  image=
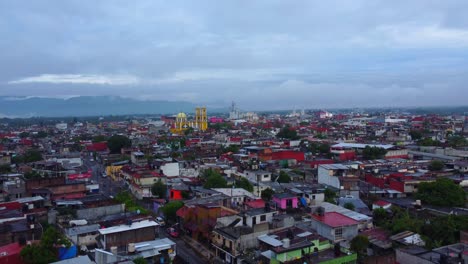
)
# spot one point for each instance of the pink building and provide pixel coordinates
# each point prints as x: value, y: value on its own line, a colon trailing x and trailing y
x: 285, y: 200
x: 215, y: 120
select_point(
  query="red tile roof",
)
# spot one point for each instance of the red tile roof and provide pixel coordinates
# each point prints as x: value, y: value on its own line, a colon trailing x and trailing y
x: 335, y: 219
x: 259, y: 203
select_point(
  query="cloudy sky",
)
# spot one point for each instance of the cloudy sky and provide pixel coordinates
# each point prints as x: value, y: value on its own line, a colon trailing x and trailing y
x: 262, y: 54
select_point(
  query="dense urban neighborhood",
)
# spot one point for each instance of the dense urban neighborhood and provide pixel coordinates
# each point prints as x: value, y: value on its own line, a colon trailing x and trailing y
x: 300, y: 187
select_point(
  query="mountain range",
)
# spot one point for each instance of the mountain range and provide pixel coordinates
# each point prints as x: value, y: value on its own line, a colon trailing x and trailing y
x: 87, y: 106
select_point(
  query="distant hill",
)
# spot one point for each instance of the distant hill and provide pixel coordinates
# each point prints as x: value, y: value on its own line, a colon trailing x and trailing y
x: 87, y: 106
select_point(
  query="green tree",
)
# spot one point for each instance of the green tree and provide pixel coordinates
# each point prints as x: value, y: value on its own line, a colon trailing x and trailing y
x: 5, y: 168
x: 41, y: 134
x: 99, y: 138
x: 117, y: 142
x: 436, y: 165
x: 372, y: 153
x: 349, y: 206
x: 140, y: 260
x: 24, y: 134
x: 359, y: 244
x: 457, y: 141
x: 159, y: 189
x: 428, y: 142
x: 442, y: 192
x: 329, y: 196
x: 45, y: 251
x: 267, y: 194
x: 170, y: 209
x: 379, y: 216
x: 213, y: 179
x: 245, y: 184
x: 287, y: 133
x: 231, y: 148
x: 283, y: 177
x: 416, y: 134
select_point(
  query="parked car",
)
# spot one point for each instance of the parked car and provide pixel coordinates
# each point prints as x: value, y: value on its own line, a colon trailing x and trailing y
x: 160, y: 221
x: 172, y: 232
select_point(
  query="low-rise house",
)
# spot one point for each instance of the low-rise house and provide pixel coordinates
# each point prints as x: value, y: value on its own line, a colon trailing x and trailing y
x: 83, y: 235
x: 231, y: 241
x: 334, y: 226
x: 123, y: 235
x: 301, y: 245
x: 285, y: 200
x: 154, y: 251
x: 238, y: 196
x: 456, y: 253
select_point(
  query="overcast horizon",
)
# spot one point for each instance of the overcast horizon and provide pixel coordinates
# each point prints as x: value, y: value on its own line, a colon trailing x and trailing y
x: 264, y: 55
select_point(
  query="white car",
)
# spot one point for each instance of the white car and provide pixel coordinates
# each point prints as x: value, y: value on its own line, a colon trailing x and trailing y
x: 160, y: 221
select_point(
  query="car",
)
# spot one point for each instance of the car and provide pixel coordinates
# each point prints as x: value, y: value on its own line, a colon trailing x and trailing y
x: 173, y: 232
x: 160, y: 221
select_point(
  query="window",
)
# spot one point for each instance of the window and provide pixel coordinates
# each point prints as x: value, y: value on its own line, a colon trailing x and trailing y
x: 262, y: 218
x: 265, y: 176
x: 338, y: 233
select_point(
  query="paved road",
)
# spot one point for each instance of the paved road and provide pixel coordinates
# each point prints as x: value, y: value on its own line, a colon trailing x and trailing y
x: 184, y: 251
x: 108, y: 187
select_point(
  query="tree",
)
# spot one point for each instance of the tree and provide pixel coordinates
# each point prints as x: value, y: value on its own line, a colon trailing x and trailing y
x: 170, y: 209
x: 287, y: 133
x: 24, y: 134
x: 231, y: 148
x: 415, y: 134
x: 140, y: 260
x: 429, y: 142
x: 349, y: 206
x: 5, y: 168
x: 99, y: 138
x: 359, y: 244
x: 267, y: 194
x: 45, y: 251
x: 436, y: 165
x: 159, y: 189
x: 442, y: 192
x: 213, y: 179
x: 283, y: 177
x: 380, y: 216
x: 117, y: 142
x: 457, y: 141
x: 244, y: 184
x: 329, y: 196
x: 372, y: 153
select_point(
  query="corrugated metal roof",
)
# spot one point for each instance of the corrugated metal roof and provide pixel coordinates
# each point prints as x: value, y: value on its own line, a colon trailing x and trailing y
x: 270, y: 240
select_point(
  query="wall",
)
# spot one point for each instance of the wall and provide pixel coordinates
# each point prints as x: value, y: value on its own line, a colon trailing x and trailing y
x: 98, y: 212
x: 132, y: 236
x: 170, y: 169
x: 269, y: 218
x: 282, y: 202
x: 403, y: 257
x: 87, y: 240
x: 325, y: 178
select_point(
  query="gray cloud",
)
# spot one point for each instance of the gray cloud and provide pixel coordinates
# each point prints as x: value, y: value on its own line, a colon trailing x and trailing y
x: 263, y: 54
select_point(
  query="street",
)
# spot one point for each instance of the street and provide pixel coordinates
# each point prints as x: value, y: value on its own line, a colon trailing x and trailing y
x: 108, y: 187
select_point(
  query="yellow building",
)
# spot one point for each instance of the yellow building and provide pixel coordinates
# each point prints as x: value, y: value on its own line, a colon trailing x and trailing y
x: 182, y: 123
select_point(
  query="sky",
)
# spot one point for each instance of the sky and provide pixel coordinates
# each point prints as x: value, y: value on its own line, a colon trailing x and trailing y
x: 264, y: 55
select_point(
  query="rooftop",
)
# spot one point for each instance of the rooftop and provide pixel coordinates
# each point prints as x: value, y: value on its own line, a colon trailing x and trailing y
x: 334, y: 219
x: 124, y: 228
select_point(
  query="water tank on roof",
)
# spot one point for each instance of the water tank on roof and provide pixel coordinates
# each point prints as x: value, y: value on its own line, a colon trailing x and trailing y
x: 113, y: 250
x: 131, y: 248
x: 286, y: 242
